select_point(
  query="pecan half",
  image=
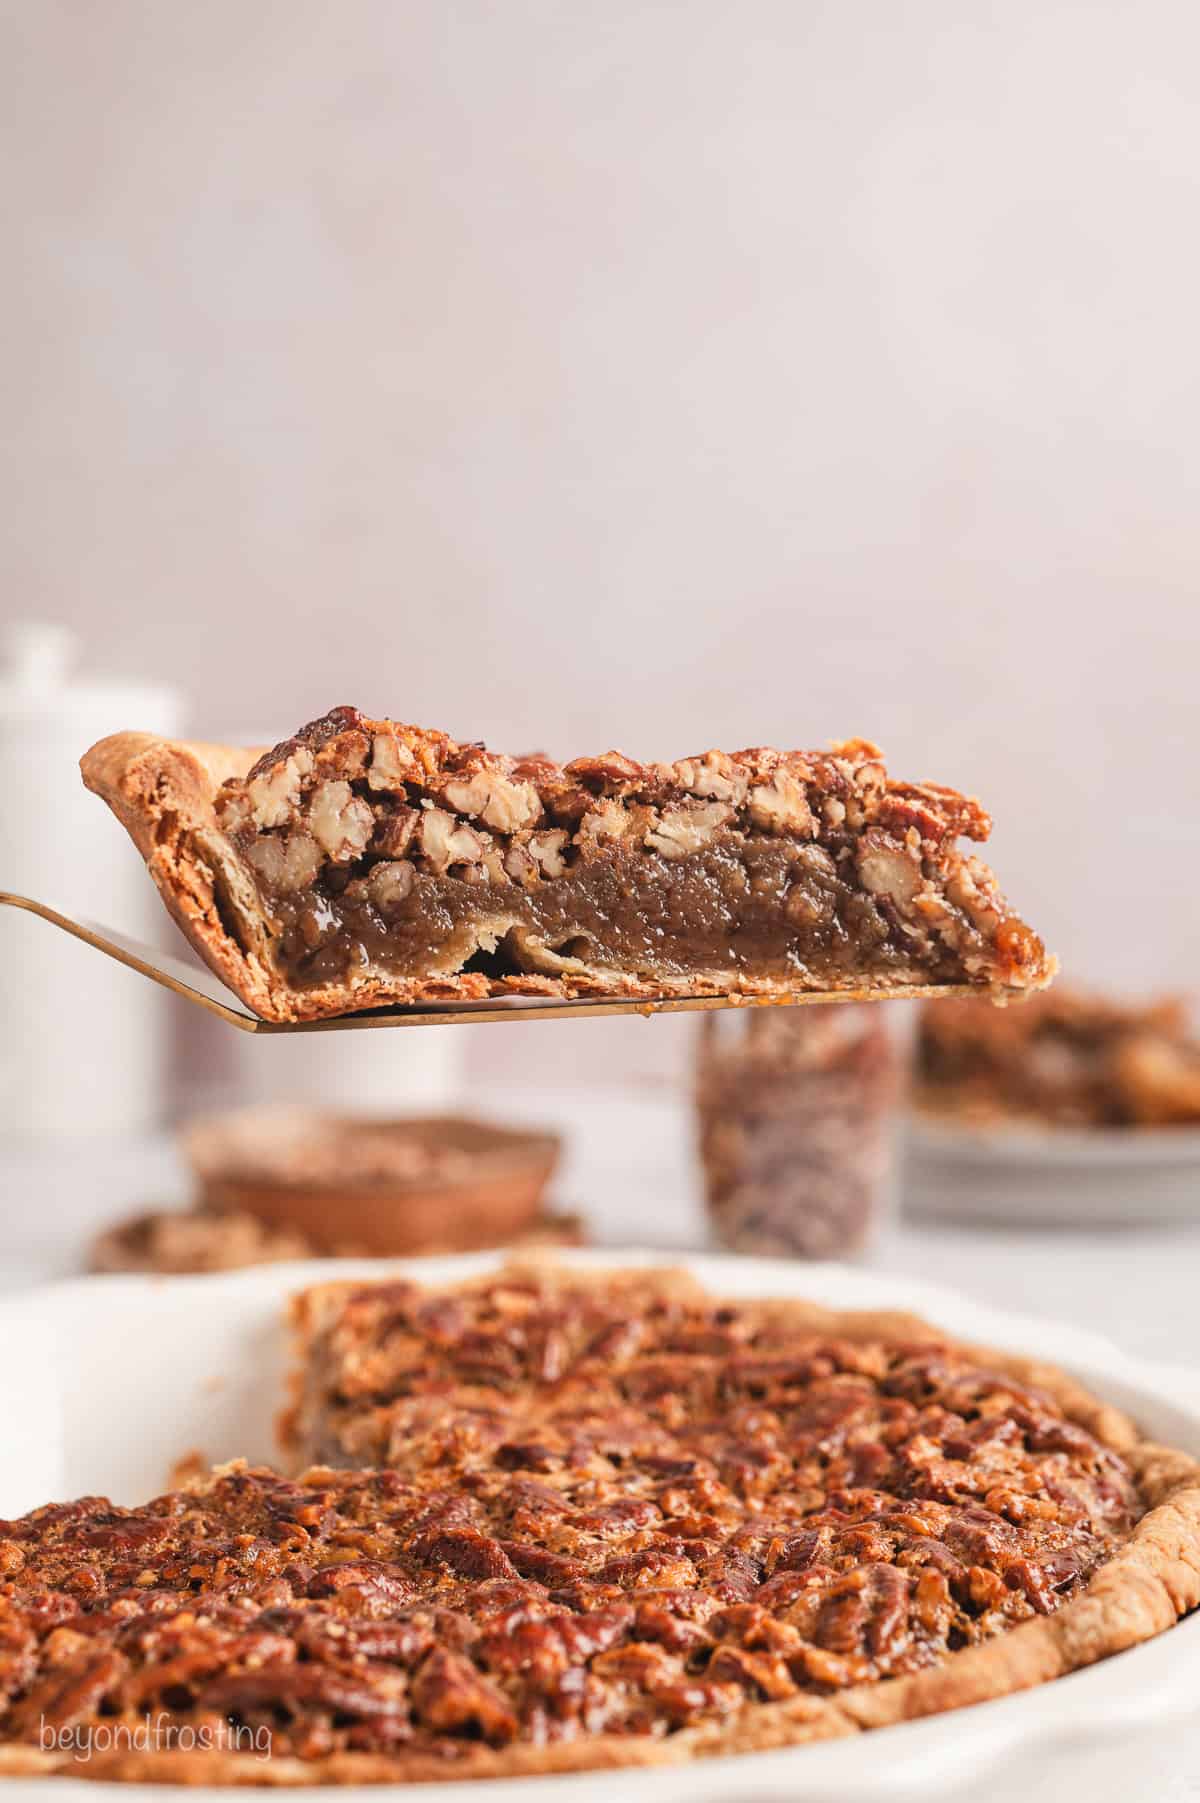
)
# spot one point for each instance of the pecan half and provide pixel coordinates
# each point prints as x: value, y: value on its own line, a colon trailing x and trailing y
x: 453, y: 1698
x: 610, y: 774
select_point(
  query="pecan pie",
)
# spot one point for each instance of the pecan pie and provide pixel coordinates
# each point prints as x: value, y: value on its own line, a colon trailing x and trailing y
x: 1067, y: 1060
x: 612, y: 1520
x: 364, y: 863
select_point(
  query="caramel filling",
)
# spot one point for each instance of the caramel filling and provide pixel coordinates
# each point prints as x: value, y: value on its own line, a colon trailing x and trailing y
x: 754, y: 905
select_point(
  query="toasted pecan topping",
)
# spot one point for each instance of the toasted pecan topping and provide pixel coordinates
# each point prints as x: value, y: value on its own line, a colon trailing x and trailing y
x: 616, y: 1510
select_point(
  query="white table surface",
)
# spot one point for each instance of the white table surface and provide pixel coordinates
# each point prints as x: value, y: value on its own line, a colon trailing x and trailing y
x: 629, y: 1168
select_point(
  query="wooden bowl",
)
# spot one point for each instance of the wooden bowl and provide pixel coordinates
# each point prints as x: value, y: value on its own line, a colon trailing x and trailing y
x: 388, y: 1187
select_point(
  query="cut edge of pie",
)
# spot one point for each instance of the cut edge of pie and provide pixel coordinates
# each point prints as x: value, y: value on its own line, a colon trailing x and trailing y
x: 365, y: 863
x: 1141, y: 1591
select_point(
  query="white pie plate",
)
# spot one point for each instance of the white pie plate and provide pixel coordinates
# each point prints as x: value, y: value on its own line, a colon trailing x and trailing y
x: 105, y: 1381
x: 1060, y: 1176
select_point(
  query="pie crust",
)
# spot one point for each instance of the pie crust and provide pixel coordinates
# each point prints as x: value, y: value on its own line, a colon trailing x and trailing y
x: 1095, y: 1530
x: 365, y: 863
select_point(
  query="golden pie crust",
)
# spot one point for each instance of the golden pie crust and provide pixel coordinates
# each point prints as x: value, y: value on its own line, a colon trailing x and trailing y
x: 1144, y: 1581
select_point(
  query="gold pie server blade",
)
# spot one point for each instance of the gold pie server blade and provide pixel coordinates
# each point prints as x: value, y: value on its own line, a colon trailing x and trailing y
x: 190, y: 979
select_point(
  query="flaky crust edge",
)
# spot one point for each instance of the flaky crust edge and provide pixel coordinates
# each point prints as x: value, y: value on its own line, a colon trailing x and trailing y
x: 163, y: 791
x: 1141, y: 1592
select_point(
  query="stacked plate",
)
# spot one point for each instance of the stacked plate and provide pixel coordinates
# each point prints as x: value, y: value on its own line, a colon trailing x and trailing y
x: 1014, y: 1176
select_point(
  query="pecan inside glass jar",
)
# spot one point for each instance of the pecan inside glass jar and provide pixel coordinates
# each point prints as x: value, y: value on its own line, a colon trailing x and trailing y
x: 795, y: 1110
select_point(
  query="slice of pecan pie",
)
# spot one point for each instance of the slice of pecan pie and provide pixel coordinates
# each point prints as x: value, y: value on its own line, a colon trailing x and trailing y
x: 365, y: 863
x: 612, y: 1521
x: 1068, y: 1060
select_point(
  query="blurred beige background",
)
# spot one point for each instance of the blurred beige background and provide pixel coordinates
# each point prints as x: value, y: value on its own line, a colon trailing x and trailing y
x: 663, y: 374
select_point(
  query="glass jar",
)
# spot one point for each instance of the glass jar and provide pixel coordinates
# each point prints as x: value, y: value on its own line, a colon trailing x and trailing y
x: 796, y: 1108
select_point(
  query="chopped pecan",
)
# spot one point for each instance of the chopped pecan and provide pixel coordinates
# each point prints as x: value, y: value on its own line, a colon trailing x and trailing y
x: 565, y: 802
x: 684, y: 1700
x: 286, y: 864
x: 339, y: 821
x: 274, y: 795
x: 68, y: 1693
x: 687, y: 828
x: 765, y: 1672
x: 887, y: 866
x: 546, y: 849
x: 641, y: 1664
x: 344, y: 755
x: 392, y: 763
x: 868, y: 784
x: 500, y: 803
x: 494, y: 864
x: 520, y: 865
x: 390, y: 884
x: 608, y: 821
x: 395, y: 825
x: 781, y: 806
x: 936, y: 812
x: 713, y: 777
x: 445, y: 840
x: 546, y: 1567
